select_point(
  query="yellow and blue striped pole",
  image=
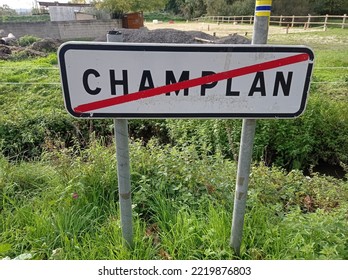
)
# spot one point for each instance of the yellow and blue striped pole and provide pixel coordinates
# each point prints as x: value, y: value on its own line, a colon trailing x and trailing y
x: 263, y: 8
x: 260, y: 34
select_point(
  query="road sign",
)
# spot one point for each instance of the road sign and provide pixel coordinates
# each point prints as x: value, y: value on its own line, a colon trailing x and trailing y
x: 118, y: 80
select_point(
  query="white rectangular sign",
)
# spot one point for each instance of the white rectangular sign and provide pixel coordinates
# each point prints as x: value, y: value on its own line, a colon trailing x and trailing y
x: 119, y: 80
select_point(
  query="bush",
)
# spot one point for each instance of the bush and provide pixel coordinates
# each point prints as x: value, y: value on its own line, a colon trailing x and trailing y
x: 66, y: 203
x: 297, y: 143
x: 27, y: 40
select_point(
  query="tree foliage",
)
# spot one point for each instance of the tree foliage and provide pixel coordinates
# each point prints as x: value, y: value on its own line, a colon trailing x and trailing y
x: 5, y: 10
x: 294, y: 7
x: 304, y: 7
x: 117, y: 7
x: 243, y: 7
x: 331, y: 7
x: 195, y: 8
x: 78, y: 1
x: 217, y: 7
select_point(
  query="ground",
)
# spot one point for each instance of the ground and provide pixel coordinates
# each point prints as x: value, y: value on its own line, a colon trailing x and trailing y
x: 225, y: 29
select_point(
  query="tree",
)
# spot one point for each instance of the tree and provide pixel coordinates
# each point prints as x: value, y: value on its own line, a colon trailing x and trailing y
x: 78, y: 1
x: 192, y: 8
x: 294, y: 7
x: 148, y: 5
x: 174, y: 6
x: 332, y: 7
x: 119, y: 7
x: 5, y: 10
x: 243, y: 7
x: 115, y: 7
x: 304, y: 7
x: 219, y: 7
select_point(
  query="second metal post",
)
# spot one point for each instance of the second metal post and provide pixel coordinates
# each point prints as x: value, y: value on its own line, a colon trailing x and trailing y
x: 260, y: 35
x: 123, y: 174
x: 123, y: 166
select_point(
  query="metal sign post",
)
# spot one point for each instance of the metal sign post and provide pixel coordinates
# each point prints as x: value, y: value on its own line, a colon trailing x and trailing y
x: 262, y: 16
x: 123, y: 168
x: 123, y: 176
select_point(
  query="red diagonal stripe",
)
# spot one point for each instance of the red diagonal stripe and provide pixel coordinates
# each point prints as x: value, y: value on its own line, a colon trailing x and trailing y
x: 191, y: 83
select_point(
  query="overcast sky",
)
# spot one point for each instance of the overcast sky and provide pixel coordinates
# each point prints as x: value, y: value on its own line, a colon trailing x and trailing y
x: 25, y: 4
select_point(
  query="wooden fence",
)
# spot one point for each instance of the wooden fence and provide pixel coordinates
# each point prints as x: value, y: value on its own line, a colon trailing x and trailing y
x: 288, y: 21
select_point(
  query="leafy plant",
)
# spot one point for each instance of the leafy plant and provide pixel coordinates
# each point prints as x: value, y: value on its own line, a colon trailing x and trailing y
x: 66, y: 208
x: 27, y: 40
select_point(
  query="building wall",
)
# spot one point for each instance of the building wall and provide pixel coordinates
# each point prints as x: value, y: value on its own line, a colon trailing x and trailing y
x: 82, y: 16
x: 64, y: 13
x: 61, y: 13
x: 62, y: 29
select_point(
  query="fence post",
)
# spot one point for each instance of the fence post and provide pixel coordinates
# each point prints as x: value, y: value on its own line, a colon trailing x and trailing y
x: 280, y: 20
x: 325, y: 22
x: 309, y: 21
x: 251, y: 20
x: 344, y: 21
x: 293, y: 21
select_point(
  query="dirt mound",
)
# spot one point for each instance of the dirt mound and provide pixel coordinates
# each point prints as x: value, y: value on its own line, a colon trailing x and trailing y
x: 168, y: 35
x: 5, y: 52
x: 38, y: 49
x: 233, y: 39
x: 163, y: 36
x: 23, y: 53
x: 46, y: 45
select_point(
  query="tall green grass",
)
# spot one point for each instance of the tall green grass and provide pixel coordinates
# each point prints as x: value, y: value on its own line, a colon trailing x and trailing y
x: 34, y: 115
x: 65, y: 207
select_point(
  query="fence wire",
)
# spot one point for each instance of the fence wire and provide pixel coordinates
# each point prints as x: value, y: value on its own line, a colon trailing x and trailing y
x: 57, y: 83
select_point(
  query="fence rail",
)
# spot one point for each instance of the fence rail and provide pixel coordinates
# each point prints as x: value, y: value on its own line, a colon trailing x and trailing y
x: 288, y: 21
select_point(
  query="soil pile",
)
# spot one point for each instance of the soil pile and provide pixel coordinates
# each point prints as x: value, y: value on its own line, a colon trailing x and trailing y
x: 38, y: 49
x: 46, y: 45
x: 143, y: 35
x: 168, y: 35
x: 5, y: 52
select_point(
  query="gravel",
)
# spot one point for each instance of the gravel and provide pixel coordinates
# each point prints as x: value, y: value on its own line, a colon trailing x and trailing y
x: 168, y: 35
x: 143, y: 35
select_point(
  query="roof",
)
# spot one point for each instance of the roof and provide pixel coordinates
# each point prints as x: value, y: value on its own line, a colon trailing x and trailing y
x: 56, y: 3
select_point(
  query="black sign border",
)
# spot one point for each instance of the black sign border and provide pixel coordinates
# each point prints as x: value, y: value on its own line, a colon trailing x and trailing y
x: 181, y: 48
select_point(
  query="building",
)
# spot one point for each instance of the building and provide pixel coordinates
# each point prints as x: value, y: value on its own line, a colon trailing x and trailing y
x: 68, y: 11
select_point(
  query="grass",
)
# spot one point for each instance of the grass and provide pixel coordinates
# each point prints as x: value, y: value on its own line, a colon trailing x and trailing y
x: 32, y: 18
x: 66, y: 208
x: 60, y: 200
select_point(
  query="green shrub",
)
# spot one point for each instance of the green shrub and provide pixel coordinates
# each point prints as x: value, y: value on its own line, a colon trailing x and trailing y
x: 27, y: 40
x: 319, y: 134
x: 66, y: 207
x: 150, y: 16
